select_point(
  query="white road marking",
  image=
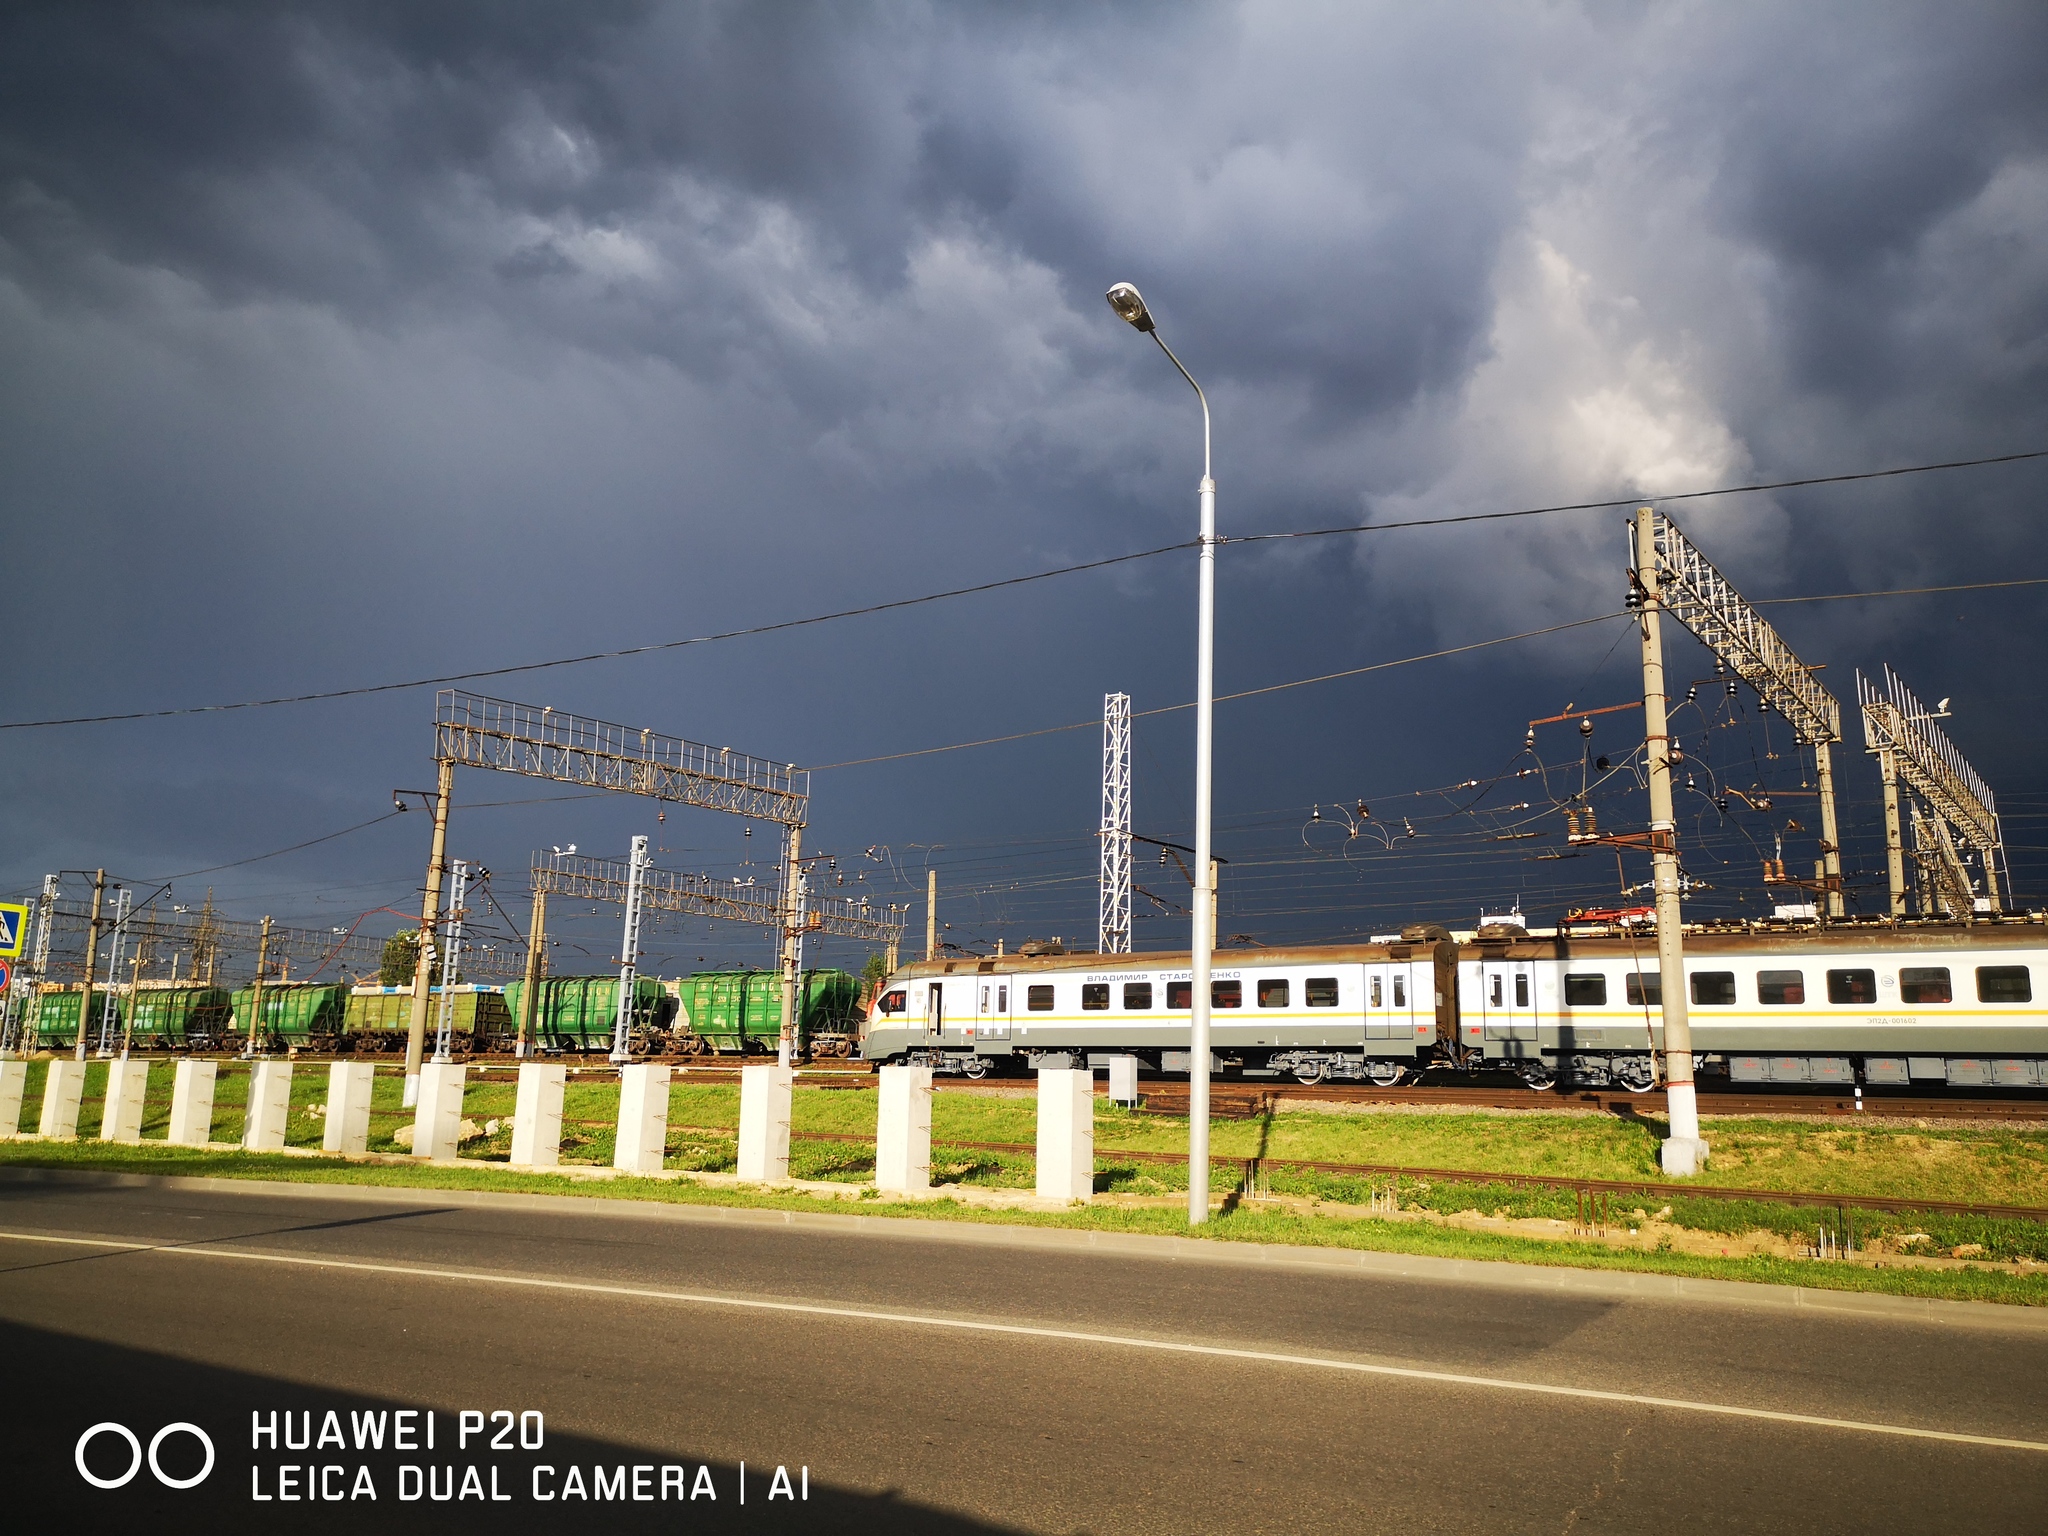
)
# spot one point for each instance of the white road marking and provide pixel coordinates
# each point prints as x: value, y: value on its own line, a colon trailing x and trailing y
x: 1029, y: 1331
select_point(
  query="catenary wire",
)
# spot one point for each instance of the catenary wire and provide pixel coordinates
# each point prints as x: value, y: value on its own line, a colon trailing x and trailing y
x: 991, y: 586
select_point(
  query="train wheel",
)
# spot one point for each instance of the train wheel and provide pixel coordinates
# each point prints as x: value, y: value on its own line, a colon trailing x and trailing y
x: 1638, y: 1074
x: 975, y: 1067
x: 1310, y: 1072
x: 1537, y: 1075
x: 1384, y: 1074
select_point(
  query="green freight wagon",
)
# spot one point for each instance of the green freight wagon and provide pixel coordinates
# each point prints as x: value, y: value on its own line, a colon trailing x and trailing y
x: 740, y: 1012
x: 380, y: 1018
x: 299, y: 1015
x: 57, y: 1018
x: 179, y: 1017
x: 577, y: 1013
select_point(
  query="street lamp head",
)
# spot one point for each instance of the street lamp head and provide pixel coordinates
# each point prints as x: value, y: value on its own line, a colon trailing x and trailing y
x: 1129, y: 303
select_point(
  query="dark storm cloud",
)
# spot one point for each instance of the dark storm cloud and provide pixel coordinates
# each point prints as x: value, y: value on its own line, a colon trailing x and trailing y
x: 342, y: 342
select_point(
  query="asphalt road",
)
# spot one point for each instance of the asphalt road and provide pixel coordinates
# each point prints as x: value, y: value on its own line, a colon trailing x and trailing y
x: 941, y: 1381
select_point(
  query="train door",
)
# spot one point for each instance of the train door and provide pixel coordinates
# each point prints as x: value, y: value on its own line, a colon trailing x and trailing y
x: 1389, y: 1003
x: 1507, y: 1001
x: 935, y: 1010
x: 992, y: 1009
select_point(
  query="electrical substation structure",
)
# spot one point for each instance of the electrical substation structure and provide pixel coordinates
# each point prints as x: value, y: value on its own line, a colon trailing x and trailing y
x: 1113, y: 900
x: 541, y: 742
x: 1951, y: 808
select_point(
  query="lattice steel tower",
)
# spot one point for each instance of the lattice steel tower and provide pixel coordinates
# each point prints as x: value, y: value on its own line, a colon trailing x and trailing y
x: 1113, y: 922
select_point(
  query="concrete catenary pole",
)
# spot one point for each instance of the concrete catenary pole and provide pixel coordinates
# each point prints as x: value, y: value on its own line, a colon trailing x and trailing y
x: 256, y: 989
x: 430, y: 923
x: 1830, y: 838
x: 1683, y: 1152
x: 92, y: 955
x: 1894, y: 837
x: 536, y: 965
x: 931, y: 914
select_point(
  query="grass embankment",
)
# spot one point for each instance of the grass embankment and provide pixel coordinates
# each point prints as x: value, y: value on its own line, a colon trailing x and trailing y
x: 1991, y: 1165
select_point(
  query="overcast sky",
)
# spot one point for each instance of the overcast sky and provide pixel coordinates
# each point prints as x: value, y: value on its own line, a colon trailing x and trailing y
x: 351, y: 344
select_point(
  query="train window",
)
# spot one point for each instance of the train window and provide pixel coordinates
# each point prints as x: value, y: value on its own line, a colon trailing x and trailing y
x: 1400, y: 991
x: 1714, y: 989
x: 1852, y: 987
x: 1272, y: 992
x: 1925, y: 984
x: 1180, y: 994
x: 1495, y: 979
x: 1589, y: 991
x: 1377, y: 1001
x: 1320, y: 991
x: 894, y: 1002
x: 2004, y: 984
x: 1645, y: 989
x: 1094, y: 995
x: 1782, y: 987
x: 1521, y: 989
x: 1138, y: 994
x: 1002, y: 999
x: 1226, y: 994
x: 1039, y: 998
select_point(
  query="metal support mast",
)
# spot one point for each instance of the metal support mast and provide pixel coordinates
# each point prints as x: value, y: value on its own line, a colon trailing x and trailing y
x: 792, y: 938
x: 1706, y: 602
x: 123, y: 901
x: 629, y: 952
x: 1684, y: 1151
x: 1908, y: 745
x: 451, y: 959
x: 20, y: 1031
x: 1113, y: 899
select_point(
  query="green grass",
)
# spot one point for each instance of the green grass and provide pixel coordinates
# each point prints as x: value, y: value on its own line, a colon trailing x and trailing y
x: 1244, y: 1224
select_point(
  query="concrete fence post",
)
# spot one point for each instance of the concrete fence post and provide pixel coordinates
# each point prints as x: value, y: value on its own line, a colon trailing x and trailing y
x: 13, y: 1085
x: 62, y: 1091
x: 903, y: 1131
x: 270, y: 1101
x: 643, y: 1118
x: 121, y: 1113
x: 192, y: 1103
x: 1066, y: 1134
x: 537, y: 1118
x: 765, y: 1094
x: 437, y: 1127
x: 348, y: 1107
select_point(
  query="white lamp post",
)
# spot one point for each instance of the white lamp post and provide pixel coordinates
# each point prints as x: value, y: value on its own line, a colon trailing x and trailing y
x: 1125, y: 300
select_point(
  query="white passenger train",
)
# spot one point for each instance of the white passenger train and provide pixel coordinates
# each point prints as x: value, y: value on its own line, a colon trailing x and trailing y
x: 1860, y: 1002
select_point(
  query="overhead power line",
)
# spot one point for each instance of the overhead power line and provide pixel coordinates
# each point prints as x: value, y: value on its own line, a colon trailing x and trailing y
x: 1009, y: 581
x: 1225, y: 698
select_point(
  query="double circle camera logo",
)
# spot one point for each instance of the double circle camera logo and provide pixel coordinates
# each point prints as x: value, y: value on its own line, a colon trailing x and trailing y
x: 136, y: 1456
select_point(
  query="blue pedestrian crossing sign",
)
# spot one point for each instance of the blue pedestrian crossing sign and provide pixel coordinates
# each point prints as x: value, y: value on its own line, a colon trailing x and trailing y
x: 13, y: 929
